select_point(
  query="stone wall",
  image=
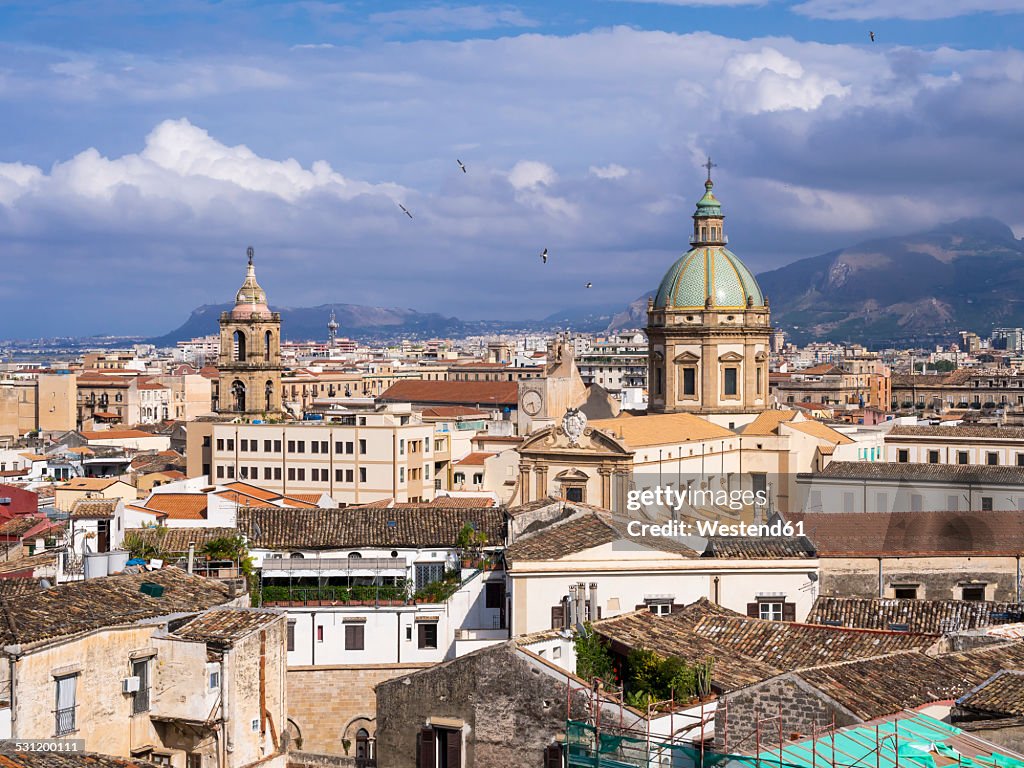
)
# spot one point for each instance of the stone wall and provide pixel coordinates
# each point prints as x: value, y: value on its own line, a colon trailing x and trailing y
x: 327, y: 704
x: 939, y: 577
x: 509, y: 710
x: 803, y: 709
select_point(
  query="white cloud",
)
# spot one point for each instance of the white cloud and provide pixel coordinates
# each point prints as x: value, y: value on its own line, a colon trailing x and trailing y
x: 442, y: 17
x: 769, y: 81
x: 529, y: 174
x: 610, y: 171
x: 916, y: 10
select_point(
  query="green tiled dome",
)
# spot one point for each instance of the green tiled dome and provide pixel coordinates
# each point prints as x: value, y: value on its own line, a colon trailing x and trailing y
x: 708, y: 271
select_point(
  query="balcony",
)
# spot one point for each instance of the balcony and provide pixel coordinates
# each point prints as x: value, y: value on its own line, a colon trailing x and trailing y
x: 320, y: 566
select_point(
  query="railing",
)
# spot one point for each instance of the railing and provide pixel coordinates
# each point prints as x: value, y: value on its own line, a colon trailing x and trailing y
x: 65, y: 721
x: 140, y: 703
x: 333, y: 564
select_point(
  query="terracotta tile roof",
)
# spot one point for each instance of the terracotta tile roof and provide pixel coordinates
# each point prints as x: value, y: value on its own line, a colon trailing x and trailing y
x: 20, y: 525
x: 870, y: 534
x: 365, y: 527
x: 482, y: 393
x: 821, y: 431
x: 881, y: 686
x: 1002, y: 694
x: 179, y: 506
x: 451, y: 502
x: 224, y: 626
x: 34, y: 456
x: 474, y: 459
x: 582, y: 531
x: 252, y: 490
x: 88, y: 484
x: 94, y: 509
x: 767, y: 422
x: 917, y: 615
x: 176, y: 540
x: 451, y: 412
x: 747, y: 650
x: 789, y: 645
x: 307, y: 498
x: 661, y: 428
x: 822, y: 369
x: 936, y: 473
x: 151, y: 385
x: 82, y: 606
x: 47, y: 559
x: 758, y: 547
x: 972, y: 431
x: 68, y: 760
x: 115, y: 434
x: 19, y: 585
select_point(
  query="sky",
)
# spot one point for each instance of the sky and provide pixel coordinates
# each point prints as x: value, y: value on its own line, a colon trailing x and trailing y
x: 144, y: 146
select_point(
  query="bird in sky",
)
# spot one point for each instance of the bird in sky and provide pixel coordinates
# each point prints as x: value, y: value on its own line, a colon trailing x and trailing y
x: 405, y: 210
x: 589, y: 285
x: 544, y: 256
x: 872, y: 34
x: 460, y: 165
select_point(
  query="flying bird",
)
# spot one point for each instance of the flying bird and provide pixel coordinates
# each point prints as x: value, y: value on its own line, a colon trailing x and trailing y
x: 872, y: 34
x: 460, y: 165
x: 544, y: 256
x: 405, y: 210
x: 589, y: 285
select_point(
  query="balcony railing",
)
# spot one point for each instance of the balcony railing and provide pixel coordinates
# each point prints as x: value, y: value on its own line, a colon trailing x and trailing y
x: 333, y: 564
x: 140, y: 703
x: 65, y: 721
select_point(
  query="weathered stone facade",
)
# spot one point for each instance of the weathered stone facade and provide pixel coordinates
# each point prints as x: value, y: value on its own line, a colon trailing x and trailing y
x: 803, y: 709
x: 937, y: 577
x: 327, y: 705
x: 507, y: 710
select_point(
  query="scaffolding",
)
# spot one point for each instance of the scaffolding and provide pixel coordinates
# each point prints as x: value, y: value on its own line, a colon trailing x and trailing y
x: 606, y: 733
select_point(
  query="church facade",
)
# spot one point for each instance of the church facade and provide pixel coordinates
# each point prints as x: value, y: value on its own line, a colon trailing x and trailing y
x: 249, y: 363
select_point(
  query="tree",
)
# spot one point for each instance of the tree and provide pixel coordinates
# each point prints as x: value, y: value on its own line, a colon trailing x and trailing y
x: 593, y: 658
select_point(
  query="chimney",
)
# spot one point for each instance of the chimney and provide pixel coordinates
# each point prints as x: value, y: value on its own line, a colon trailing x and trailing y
x: 593, y: 601
x: 191, y: 556
x: 581, y: 596
x: 570, y: 607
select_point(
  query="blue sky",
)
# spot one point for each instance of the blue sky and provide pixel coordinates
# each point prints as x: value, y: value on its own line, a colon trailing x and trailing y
x: 144, y: 145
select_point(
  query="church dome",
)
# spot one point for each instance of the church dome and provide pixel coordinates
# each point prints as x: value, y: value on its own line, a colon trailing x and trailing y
x: 251, y: 299
x: 709, y: 273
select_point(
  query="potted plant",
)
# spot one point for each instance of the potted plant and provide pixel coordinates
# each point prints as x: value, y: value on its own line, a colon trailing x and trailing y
x: 470, y: 541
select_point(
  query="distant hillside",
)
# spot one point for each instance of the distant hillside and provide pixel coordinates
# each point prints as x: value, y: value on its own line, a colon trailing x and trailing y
x: 923, y: 288
x: 302, y: 323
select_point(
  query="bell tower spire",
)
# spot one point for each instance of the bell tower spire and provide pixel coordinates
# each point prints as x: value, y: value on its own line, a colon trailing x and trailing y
x: 708, y: 219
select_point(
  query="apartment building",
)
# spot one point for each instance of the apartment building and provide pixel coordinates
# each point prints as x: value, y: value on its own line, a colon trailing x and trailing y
x: 355, y: 459
x: 616, y: 363
x: 44, y: 402
x: 964, y: 444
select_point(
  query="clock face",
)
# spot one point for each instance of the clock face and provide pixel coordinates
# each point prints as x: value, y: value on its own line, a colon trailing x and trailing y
x: 532, y: 402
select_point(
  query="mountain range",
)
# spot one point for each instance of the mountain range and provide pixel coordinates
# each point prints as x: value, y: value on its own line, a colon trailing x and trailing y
x: 921, y: 288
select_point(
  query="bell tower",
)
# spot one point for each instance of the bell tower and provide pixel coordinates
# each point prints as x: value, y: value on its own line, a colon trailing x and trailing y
x: 249, y: 364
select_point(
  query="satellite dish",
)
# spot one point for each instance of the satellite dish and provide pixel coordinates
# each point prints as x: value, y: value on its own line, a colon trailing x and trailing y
x: 812, y: 576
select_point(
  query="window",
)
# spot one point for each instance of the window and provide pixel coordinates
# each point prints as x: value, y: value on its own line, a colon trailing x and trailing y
x: 689, y: 381
x: 961, y: 457
x: 494, y: 594
x: 427, y: 633
x: 214, y: 679
x: 933, y: 457
x: 769, y: 610
x: 401, y: 447
x: 291, y: 473
x: 339, y: 447
x: 65, y: 710
x: 338, y: 475
x: 140, y: 702
x: 291, y: 446
x: 903, y: 455
x: 302, y: 474
x: 301, y: 445
x: 320, y: 633
x: 973, y: 592
x: 354, y: 637
x: 267, y: 474
x: 277, y: 446
x: 428, y: 573
x: 401, y: 474
x: 731, y: 383
x: 267, y: 446
x: 315, y: 446
x: 362, y: 447
x: 277, y: 473
x: 992, y: 458
x: 904, y: 591
x: 1020, y: 459
x: 986, y: 503
x: 220, y: 471
x: 244, y: 446
x: 362, y: 474
x: 231, y: 473
x: 194, y: 760
x: 220, y: 443
x: 350, y: 447
x: 663, y: 609
x: 291, y: 634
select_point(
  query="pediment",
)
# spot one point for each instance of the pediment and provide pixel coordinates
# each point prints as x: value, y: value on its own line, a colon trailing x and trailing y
x: 572, y: 475
x: 686, y: 358
x: 731, y: 357
x: 760, y: 357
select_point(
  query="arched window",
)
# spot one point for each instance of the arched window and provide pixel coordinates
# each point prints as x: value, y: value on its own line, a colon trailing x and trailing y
x: 362, y: 744
x: 354, y: 556
x: 266, y: 346
x: 268, y: 394
x: 238, y: 396
x: 297, y: 556
x: 703, y: 233
x: 239, y: 343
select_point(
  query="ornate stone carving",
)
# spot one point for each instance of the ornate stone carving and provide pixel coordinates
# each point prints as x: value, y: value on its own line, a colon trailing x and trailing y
x: 573, y: 425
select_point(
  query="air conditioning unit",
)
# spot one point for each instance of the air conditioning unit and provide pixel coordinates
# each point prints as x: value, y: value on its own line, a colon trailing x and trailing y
x: 130, y: 684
